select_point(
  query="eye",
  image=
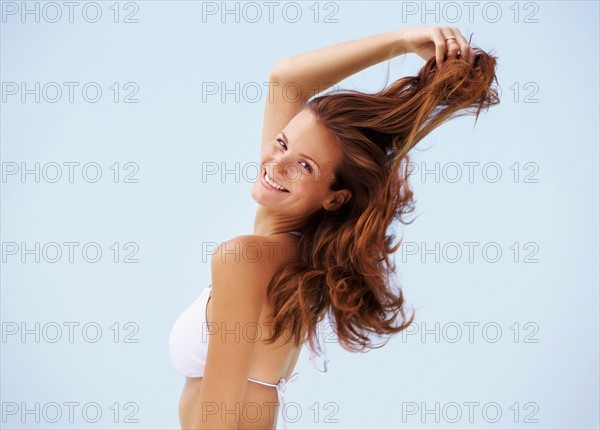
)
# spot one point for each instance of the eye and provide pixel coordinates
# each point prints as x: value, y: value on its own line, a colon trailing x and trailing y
x: 307, y: 166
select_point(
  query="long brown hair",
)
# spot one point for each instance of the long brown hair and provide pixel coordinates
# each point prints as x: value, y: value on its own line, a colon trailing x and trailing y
x: 344, y: 264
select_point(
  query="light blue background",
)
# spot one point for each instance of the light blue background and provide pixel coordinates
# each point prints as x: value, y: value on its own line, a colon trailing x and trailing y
x: 172, y: 211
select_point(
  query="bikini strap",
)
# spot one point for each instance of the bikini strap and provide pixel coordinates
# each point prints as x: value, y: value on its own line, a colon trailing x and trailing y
x: 321, y: 348
x: 281, y: 385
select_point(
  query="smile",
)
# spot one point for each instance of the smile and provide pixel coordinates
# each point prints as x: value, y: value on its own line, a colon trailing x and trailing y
x: 268, y: 182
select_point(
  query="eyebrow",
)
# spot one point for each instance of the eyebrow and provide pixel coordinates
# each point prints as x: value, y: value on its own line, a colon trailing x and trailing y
x: 287, y: 142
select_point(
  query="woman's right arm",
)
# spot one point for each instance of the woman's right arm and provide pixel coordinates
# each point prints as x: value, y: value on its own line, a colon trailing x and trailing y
x: 295, y: 79
x: 317, y: 70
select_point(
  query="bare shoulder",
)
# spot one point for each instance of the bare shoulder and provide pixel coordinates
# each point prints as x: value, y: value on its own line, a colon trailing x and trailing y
x: 257, y: 249
x: 251, y: 260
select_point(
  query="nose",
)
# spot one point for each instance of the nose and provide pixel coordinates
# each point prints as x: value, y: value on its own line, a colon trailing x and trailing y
x: 285, y: 168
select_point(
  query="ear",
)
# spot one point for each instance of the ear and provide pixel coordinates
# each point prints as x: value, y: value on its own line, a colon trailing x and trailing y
x: 338, y: 199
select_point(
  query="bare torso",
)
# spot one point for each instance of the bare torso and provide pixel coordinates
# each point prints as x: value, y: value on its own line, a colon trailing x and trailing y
x: 268, y: 364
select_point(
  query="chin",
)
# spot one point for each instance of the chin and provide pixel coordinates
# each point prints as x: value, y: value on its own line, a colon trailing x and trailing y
x: 259, y: 196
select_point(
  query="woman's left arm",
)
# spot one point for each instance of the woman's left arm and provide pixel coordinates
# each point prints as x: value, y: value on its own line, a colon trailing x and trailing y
x: 237, y: 300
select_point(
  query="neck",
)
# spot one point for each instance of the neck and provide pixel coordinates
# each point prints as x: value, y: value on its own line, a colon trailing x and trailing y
x: 268, y: 222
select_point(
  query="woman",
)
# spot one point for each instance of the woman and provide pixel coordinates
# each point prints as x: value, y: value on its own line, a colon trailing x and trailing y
x: 333, y: 177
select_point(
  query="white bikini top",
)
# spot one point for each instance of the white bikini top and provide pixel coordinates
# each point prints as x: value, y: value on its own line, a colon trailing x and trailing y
x: 188, y: 346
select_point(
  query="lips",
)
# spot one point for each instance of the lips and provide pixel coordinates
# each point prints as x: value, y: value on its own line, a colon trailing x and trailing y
x: 264, y: 180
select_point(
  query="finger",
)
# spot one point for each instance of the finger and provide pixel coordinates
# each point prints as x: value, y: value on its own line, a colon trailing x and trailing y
x: 440, y: 47
x: 465, y: 48
x: 452, y: 44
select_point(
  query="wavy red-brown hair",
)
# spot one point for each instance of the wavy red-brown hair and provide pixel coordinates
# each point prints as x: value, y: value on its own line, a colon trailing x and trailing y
x: 344, y: 266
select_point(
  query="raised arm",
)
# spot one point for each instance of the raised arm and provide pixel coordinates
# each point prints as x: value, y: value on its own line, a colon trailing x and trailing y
x: 307, y: 74
x: 312, y: 72
x: 325, y: 67
x: 317, y: 70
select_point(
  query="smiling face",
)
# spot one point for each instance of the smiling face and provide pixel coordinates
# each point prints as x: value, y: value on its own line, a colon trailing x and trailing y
x: 301, y: 159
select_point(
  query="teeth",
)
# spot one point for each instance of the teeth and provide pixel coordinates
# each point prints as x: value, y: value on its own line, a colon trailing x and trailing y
x: 279, y: 187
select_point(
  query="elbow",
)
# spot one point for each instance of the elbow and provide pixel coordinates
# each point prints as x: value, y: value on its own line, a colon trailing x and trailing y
x: 280, y: 69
